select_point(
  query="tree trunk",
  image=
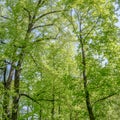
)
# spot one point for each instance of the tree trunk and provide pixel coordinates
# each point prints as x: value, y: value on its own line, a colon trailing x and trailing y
x: 59, y: 107
x: 70, y: 115
x: 40, y: 114
x: 87, y: 97
x: 16, y: 90
x: 53, y: 107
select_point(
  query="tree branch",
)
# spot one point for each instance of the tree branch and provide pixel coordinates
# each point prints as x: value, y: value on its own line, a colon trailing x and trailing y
x: 51, y: 12
x: 35, y: 62
x: 45, y: 38
x: 36, y: 101
x: 28, y: 13
x: 104, y: 98
x: 92, y: 27
x: 36, y: 10
x: 41, y: 26
x: 25, y: 95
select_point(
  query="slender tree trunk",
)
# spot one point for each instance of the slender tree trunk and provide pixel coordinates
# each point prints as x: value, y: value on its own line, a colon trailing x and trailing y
x: 70, y: 115
x: 59, y: 111
x: 28, y: 104
x: 59, y: 107
x: 53, y: 107
x: 53, y: 95
x: 87, y: 97
x: 40, y: 114
x: 16, y: 90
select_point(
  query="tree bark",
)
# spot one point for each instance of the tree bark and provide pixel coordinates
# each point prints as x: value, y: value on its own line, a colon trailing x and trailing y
x: 87, y: 96
x: 16, y: 90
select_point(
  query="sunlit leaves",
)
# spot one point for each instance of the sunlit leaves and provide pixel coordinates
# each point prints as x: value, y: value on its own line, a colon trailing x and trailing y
x: 52, y: 63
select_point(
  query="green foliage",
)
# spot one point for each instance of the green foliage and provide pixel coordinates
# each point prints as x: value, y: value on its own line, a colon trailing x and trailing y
x: 46, y: 38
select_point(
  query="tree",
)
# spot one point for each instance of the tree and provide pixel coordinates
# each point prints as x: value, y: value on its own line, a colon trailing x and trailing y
x: 91, y: 37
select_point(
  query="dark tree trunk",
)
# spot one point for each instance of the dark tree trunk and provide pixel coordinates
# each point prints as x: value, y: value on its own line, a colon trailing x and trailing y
x: 16, y: 90
x: 82, y: 42
x: 59, y: 111
x: 59, y: 107
x: 71, y: 115
x: 40, y: 114
x: 87, y: 97
x: 53, y: 107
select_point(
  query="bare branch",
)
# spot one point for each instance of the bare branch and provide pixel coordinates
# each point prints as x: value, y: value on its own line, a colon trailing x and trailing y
x: 104, y: 98
x: 51, y: 12
x: 25, y: 95
x: 36, y: 10
x: 41, y: 26
x: 28, y: 13
x: 34, y: 100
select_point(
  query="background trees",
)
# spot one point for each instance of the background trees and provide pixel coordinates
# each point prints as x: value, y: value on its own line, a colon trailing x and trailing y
x: 59, y: 60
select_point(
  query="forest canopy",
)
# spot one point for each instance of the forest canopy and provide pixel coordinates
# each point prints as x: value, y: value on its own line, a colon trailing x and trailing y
x: 59, y: 59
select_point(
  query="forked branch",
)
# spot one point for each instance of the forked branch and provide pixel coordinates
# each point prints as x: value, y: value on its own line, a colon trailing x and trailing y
x: 34, y: 100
